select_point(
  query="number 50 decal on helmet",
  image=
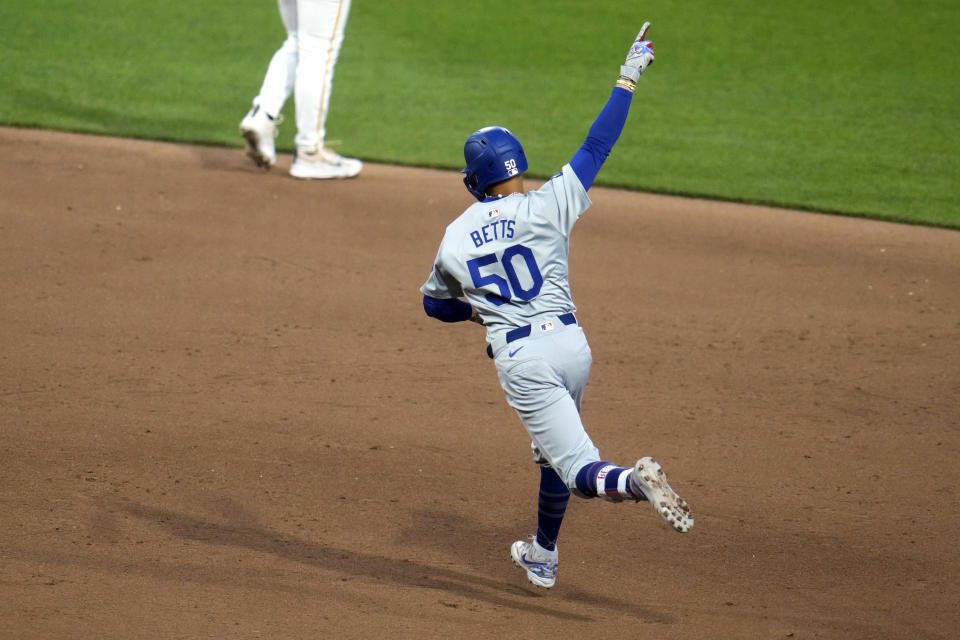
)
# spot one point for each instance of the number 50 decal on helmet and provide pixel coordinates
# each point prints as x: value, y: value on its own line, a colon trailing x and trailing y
x: 492, y: 155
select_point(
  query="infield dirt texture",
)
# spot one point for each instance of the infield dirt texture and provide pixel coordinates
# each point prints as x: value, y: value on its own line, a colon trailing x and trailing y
x: 225, y: 415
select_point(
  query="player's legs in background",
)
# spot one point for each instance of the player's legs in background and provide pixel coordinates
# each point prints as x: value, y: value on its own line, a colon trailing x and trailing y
x: 259, y: 126
x: 279, y: 80
x: 320, y: 34
x: 320, y: 31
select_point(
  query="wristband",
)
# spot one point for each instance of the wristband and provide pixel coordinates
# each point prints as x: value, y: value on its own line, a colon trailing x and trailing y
x: 626, y: 83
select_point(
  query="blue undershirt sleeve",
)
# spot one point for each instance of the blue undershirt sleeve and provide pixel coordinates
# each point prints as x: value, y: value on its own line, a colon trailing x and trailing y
x: 447, y: 309
x: 604, y: 132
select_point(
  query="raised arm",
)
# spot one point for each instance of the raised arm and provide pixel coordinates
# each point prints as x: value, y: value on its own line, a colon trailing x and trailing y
x: 605, y: 131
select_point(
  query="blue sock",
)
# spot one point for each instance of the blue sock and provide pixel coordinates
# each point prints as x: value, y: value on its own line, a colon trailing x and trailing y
x: 591, y: 474
x: 552, y: 504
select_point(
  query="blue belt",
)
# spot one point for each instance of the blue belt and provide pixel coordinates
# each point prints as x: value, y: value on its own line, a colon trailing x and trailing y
x: 523, y: 332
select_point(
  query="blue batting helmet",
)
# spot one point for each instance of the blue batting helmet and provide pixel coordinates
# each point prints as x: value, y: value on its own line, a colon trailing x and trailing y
x: 492, y: 155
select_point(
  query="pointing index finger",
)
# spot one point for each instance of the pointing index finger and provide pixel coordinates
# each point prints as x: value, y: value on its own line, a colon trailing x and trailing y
x: 643, y: 31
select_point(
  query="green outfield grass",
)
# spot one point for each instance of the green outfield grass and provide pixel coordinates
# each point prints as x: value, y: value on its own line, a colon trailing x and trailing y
x: 849, y: 107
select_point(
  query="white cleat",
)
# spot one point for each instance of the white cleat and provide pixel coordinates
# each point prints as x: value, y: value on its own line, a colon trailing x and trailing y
x: 649, y: 479
x: 259, y: 130
x: 541, y: 565
x: 323, y: 164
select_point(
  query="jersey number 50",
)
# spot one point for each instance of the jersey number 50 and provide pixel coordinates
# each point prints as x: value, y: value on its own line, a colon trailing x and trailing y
x: 512, y: 281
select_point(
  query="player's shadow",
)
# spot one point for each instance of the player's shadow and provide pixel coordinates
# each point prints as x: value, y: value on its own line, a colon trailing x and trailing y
x: 243, y: 531
x: 440, y: 530
x: 247, y: 534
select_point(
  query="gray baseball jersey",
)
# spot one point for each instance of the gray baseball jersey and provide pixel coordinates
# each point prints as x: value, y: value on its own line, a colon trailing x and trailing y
x: 508, y: 256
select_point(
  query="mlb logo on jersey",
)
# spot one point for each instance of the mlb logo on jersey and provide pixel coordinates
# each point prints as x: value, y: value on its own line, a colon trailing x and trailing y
x: 493, y: 213
x: 546, y: 326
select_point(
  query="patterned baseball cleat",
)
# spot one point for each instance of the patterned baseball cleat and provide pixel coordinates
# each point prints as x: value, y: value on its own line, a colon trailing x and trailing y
x: 259, y: 129
x: 541, y: 565
x: 323, y: 164
x: 649, y: 479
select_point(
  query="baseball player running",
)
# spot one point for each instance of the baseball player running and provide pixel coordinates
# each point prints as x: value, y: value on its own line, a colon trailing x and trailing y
x: 302, y: 66
x: 508, y: 256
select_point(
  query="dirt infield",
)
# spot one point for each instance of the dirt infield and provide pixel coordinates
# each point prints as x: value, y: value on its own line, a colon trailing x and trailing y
x: 223, y: 413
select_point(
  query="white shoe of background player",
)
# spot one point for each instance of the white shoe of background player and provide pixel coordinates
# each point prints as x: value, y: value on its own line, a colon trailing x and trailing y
x: 259, y: 129
x: 541, y: 565
x: 648, y: 478
x: 322, y: 164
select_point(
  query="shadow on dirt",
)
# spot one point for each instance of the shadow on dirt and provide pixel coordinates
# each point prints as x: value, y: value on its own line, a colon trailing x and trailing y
x: 245, y: 533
